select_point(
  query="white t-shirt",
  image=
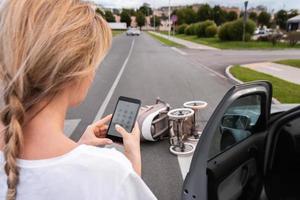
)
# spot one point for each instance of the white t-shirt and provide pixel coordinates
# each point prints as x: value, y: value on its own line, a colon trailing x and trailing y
x: 85, y: 173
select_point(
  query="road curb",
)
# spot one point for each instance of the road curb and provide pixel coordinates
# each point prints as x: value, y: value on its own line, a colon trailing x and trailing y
x: 237, y: 81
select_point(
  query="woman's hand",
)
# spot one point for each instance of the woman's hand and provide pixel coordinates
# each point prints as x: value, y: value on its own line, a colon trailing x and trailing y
x: 95, y: 134
x: 132, y: 148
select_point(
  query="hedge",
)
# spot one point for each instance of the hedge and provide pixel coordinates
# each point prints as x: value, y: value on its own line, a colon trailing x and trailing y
x: 233, y: 31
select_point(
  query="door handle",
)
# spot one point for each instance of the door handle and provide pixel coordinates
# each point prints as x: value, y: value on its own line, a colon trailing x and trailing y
x: 244, y: 175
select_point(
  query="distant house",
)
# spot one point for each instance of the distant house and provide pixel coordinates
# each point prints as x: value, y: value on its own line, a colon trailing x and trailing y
x: 293, y: 24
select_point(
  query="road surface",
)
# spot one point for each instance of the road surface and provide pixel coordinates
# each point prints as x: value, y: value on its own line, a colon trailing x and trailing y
x: 143, y: 68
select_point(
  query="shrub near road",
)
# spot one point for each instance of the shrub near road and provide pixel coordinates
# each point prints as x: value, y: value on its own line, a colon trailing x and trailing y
x: 201, y: 31
x: 233, y: 31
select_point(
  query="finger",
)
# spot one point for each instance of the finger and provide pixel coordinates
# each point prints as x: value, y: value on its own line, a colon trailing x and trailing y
x: 104, y: 128
x: 122, y: 131
x: 101, y: 141
x: 103, y: 121
x: 136, y: 128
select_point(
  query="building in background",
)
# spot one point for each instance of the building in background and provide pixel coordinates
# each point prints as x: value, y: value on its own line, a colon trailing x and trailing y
x: 293, y: 24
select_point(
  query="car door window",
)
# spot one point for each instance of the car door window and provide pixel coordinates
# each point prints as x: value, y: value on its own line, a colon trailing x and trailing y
x: 238, y: 123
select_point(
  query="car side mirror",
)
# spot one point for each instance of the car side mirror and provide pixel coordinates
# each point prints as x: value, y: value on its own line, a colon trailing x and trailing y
x: 233, y: 121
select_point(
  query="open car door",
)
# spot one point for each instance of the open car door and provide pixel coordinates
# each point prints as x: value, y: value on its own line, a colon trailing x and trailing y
x: 229, y: 158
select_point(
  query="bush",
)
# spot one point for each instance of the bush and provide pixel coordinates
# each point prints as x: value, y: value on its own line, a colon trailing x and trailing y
x: 181, y: 28
x: 224, y: 31
x: 202, y: 27
x: 191, y: 29
x: 293, y: 38
x: 234, y: 30
x: 211, y: 31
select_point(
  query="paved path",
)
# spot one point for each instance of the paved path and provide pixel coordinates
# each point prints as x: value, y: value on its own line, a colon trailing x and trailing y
x: 285, y: 72
x: 188, y: 44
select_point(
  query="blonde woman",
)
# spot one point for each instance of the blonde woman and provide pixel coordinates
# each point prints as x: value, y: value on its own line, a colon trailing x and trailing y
x: 49, y: 50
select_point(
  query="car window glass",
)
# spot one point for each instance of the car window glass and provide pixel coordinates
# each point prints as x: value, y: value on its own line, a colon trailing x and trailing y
x: 237, y: 123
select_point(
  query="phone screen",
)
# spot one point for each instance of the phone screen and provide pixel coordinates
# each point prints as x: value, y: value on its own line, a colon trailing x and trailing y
x: 125, y: 115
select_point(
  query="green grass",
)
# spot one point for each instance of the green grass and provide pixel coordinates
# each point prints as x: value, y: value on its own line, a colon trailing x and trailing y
x: 165, y: 41
x: 117, y: 32
x: 284, y: 91
x: 215, y: 42
x: 293, y: 63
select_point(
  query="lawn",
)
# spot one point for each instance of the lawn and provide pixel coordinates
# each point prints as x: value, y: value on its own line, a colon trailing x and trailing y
x: 215, y: 42
x: 117, y: 32
x: 284, y: 91
x: 293, y: 63
x: 165, y: 41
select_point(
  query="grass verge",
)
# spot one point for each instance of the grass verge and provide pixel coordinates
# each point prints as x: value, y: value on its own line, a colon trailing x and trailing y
x: 165, y: 41
x: 293, y: 63
x: 215, y: 42
x: 117, y: 32
x: 284, y: 91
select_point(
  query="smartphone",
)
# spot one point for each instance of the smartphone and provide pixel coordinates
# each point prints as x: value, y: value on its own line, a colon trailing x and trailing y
x: 125, y: 115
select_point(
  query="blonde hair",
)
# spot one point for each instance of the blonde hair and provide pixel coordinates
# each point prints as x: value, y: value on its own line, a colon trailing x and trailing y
x: 44, y: 44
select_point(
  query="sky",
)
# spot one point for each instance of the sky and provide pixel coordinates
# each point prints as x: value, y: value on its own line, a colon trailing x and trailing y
x: 271, y: 4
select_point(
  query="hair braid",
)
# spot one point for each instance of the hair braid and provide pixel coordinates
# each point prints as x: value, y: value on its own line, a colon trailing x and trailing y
x: 12, y: 117
x: 45, y: 46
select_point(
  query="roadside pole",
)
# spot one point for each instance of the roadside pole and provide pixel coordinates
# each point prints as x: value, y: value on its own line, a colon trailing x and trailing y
x: 245, y: 21
x: 169, y: 22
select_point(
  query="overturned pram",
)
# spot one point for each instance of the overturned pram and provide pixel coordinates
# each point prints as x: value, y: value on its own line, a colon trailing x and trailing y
x: 181, y: 125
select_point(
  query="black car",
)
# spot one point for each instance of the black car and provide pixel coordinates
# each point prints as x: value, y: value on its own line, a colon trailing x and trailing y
x: 247, y: 151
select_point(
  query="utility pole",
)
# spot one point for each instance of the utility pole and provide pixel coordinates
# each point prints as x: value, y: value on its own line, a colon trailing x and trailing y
x: 169, y: 19
x: 245, y: 21
x: 153, y: 14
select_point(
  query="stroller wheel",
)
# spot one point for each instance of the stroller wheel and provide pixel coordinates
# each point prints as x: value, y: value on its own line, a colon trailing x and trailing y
x: 188, y: 149
x: 194, y: 138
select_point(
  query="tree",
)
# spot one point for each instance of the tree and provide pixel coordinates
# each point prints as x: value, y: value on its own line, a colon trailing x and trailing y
x: 205, y: 13
x: 109, y: 16
x: 157, y: 21
x: 253, y: 16
x: 131, y: 12
x: 264, y: 18
x: 186, y: 16
x: 146, y: 9
x: 99, y: 11
x: 292, y: 13
x: 140, y: 19
x: 164, y: 17
x: 219, y: 15
x: 125, y: 17
x: 190, y: 15
x: 231, y: 16
x: 280, y: 18
x: 116, y: 11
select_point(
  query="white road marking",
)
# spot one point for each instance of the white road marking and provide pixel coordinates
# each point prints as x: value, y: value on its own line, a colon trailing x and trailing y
x: 70, y: 126
x: 184, y: 164
x: 213, y: 71
x: 113, y: 87
x: 179, y: 51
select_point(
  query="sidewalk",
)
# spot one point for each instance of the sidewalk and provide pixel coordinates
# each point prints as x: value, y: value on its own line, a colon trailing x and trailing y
x: 190, y: 45
x: 285, y: 72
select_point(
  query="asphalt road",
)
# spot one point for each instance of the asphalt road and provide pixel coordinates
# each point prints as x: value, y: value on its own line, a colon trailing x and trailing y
x: 143, y: 68
x: 153, y: 70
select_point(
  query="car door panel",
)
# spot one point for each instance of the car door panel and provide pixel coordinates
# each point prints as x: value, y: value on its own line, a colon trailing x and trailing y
x: 231, y: 172
x: 214, y: 175
x: 232, y: 186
